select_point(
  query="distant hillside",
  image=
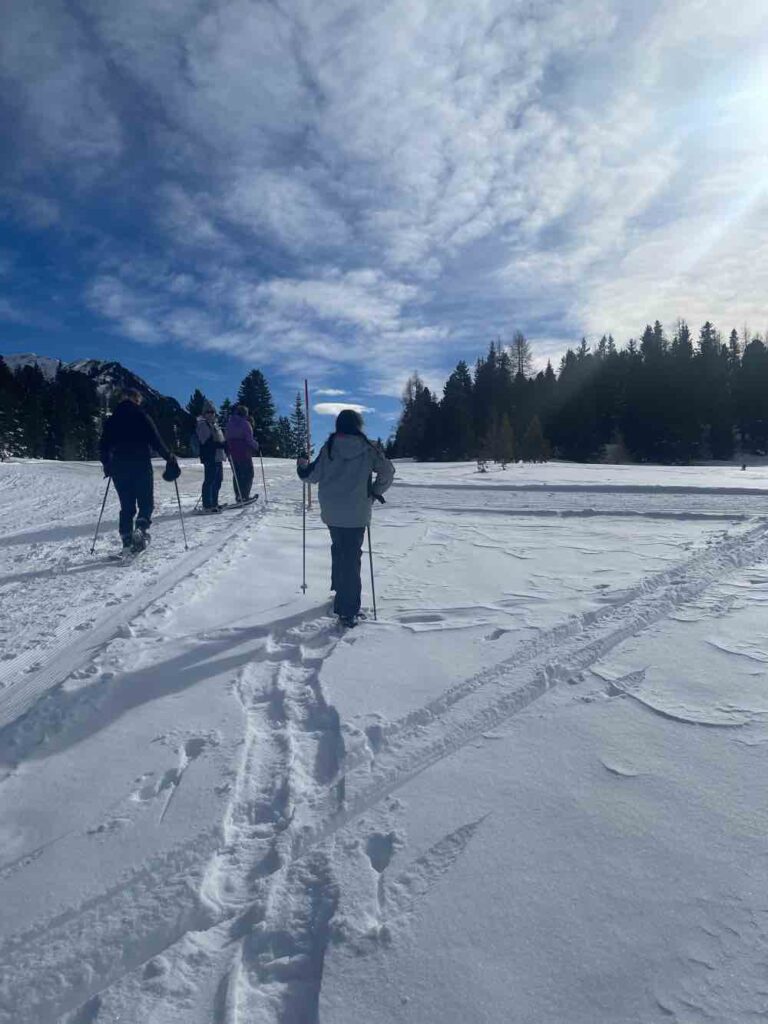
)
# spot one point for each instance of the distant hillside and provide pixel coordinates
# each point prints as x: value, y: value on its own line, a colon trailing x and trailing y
x: 51, y: 409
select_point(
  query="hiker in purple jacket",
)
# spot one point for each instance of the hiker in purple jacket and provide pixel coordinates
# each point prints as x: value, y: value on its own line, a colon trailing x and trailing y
x: 242, y: 447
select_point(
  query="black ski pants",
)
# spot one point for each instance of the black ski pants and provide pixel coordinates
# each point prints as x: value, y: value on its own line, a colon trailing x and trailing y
x: 135, y: 488
x: 213, y: 474
x: 244, y: 473
x: 346, y: 556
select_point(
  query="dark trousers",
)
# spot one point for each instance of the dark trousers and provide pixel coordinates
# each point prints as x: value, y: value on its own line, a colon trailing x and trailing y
x: 213, y: 474
x: 346, y: 556
x: 244, y: 473
x: 135, y: 488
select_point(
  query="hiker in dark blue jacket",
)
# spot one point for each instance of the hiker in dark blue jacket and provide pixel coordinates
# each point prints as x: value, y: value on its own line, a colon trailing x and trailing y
x: 127, y: 441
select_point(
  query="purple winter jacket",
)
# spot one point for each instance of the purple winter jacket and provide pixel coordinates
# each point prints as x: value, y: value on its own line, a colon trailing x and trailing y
x: 240, y: 438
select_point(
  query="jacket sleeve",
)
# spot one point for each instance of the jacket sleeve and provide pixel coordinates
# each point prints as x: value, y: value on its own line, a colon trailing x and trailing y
x: 154, y: 439
x: 250, y: 439
x: 203, y: 431
x: 313, y: 473
x: 385, y: 473
x: 105, y: 442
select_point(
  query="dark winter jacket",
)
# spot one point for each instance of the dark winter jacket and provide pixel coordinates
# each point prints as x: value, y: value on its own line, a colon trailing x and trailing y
x: 130, y: 435
x: 211, y: 441
x: 240, y: 440
x: 343, y: 471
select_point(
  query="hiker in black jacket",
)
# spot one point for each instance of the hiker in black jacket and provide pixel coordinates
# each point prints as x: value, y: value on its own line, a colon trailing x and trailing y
x: 127, y: 441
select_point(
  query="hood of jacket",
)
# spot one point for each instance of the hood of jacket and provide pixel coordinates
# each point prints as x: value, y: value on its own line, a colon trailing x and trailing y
x: 126, y: 410
x: 348, y: 447
x: 237, y: 424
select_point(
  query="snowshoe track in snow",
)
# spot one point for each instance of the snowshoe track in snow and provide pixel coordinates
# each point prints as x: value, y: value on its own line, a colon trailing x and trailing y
x: 268, y: 888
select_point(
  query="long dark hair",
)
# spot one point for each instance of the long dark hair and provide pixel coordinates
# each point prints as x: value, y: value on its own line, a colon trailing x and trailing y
x: 349, y: 421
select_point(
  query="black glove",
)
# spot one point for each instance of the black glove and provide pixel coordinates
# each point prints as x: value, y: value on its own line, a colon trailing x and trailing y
x: 172, y: 469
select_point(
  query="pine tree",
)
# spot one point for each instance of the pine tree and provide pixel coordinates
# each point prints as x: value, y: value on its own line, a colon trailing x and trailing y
x: 506, y: 442
x: 534, y: 447
x: 11, y: 442
x: 284, y: 446
x: 298, y: 422
x: 409, y: 438
x: 522, y: 358
x: 33, y: 406
x: 734, y: 350
x: 456, y: 421
x: 429, y: 443
x: 196, y: 402
x: 225, y: 411
x: 255, y: 395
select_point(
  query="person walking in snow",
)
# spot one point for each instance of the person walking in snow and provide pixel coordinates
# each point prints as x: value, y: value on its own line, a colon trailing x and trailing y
x: 242, y: 447
x: 212, y: 455
x: 344, y: 472
x: 127, y: 441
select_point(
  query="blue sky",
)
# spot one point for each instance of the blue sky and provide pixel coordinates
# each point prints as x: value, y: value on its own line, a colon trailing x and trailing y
x: 351, y: 191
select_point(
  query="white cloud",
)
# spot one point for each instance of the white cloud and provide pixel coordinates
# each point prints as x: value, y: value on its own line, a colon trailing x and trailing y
x: 387, y: 187
x: 59, y: 89
x: 328, y: 391
x: 334, y: 408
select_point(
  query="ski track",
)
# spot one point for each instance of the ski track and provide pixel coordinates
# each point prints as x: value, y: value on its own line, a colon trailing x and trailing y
x: 261, y: 909
x: 28, y: 677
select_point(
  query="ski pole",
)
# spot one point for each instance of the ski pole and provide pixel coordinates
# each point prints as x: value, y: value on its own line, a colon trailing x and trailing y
x: 309, y: 437
x: 181, y: 515
x: 304, y: 537
x: 103, y: 504
x: 263, y: 478
x: 235, y: 481
x: 373, y: 585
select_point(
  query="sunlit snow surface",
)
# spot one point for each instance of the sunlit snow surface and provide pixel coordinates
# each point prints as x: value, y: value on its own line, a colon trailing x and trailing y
x: 531, y: 792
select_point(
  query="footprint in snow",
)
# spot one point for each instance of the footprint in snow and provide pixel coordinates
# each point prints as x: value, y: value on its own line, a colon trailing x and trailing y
x: 380, y: 848
x: 112, y: 825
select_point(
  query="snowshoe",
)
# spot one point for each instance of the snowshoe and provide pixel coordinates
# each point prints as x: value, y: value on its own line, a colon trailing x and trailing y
x: 141, y: 539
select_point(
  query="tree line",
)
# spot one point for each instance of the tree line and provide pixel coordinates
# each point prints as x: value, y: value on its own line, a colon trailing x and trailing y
x: 662, y: 399
x: 61, y: 418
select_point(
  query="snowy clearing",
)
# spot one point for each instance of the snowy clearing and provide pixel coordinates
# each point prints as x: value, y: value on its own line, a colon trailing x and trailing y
x: 529, y: 793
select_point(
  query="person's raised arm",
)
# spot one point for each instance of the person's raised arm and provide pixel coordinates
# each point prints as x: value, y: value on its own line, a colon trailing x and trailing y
x: 105, y: 446
x: 155, y: 440
x: 250, y: 439
x: 311, y: 472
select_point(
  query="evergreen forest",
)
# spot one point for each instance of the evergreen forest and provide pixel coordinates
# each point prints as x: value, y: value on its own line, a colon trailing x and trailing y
x: 662, y: 400
x: 60, y: 415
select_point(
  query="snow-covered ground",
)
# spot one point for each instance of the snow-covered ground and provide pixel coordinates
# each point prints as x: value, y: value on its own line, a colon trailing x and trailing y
x: 531, y: 792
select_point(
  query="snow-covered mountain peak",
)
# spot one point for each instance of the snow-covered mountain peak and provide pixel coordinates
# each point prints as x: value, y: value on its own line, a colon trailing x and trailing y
x: 47, y: 365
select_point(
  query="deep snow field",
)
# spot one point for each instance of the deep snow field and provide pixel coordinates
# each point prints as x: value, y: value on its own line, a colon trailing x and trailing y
x: 533, y: 792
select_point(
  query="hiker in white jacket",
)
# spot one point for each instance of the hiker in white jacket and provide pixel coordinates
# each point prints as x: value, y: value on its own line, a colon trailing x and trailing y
x: 351, y: 473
